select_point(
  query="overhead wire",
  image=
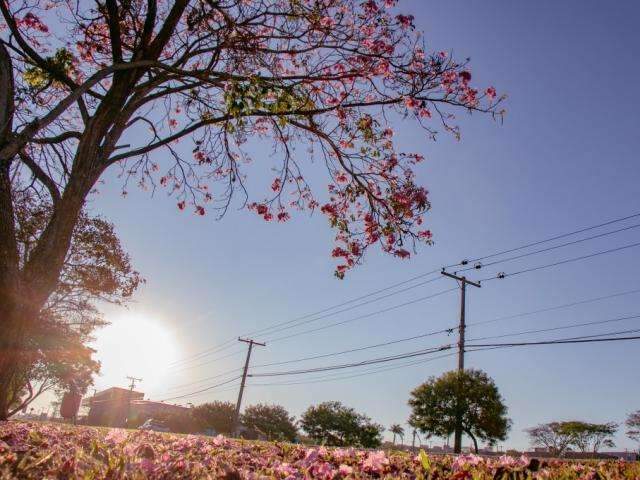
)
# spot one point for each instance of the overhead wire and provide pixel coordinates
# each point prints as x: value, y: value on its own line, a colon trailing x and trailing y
x: 547, y: 249
x: 293, y: 323
x: 368, y: 302
x: 211, y: 387
x: 377, y: 312
x: 359, y: 349
x: 549, y: 239
x: 560, y: 262
x: 556, y: 307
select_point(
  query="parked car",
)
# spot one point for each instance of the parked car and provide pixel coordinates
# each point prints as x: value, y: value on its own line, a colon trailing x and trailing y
x: 154, y: 425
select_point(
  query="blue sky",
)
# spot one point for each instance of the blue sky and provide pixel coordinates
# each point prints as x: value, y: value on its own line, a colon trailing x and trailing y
x: 565, y: 157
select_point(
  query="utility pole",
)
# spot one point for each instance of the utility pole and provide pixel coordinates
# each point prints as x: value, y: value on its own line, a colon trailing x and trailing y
x: 131, y: 387
x: 457, y: 443
x: 251, y: 342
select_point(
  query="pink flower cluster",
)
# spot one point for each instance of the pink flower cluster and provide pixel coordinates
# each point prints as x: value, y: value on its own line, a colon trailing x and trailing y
x: 38, y: 450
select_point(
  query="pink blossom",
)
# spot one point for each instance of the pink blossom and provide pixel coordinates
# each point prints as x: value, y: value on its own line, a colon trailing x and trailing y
x: 116, y: 436
x: 412, y: 103
x: 375, y: 462
x: 406, y: 21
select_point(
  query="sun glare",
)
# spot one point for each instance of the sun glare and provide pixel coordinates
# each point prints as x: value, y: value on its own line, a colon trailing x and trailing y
x: 137, y: 345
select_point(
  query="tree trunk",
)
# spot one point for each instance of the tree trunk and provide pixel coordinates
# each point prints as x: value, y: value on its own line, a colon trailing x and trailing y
x: 473, y: 438
x: 25, y: 289
x: 14, y: 354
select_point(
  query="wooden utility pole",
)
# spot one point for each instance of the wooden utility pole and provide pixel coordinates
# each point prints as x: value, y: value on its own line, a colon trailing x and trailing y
x: 457, y: 443
x: 131, y: 387
x: 236, y: 418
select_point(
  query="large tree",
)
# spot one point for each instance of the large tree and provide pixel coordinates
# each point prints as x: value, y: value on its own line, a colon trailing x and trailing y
x: 272, y: 421
x: 557, y: 437
x: 96, y: 268
x: 470, y: 397
x: 554, y: 436
x: 217, y: 415
x: 332, y: 423
x: 633, y: 426
x: 168, y: 93
x: 590, y: 437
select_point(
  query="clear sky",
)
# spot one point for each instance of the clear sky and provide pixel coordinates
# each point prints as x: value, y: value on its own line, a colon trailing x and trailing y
x: 566, y: 157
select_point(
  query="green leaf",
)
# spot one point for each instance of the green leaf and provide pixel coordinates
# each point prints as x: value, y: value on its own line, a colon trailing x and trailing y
x: 424, y: 460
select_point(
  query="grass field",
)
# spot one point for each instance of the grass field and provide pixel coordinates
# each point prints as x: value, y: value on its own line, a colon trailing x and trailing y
x: 40, y: 450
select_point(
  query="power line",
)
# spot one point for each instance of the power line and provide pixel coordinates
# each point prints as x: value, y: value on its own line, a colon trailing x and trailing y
x: 297, y: 324
x: 561, y: 262
x: 473, y: 349
x: 229, y: 343
x: 378, y: 312
x: 359, y: 349
x: 181, y: 368
x: 209, y: 351
x: 372, y: 361
x: 343, y: 322
x: 562, y: 327
x: 422, y: 352
x: 539, y: 242
x: 556, y: 307
x: 184, y: 385
x: 559, y: 342
x: 211, y: 387
x: 497, y: 319
x: 415, y: 337
x: 598, y: 338
x: 390, y: 287
x: 547, y: 249
x: 329, y: 378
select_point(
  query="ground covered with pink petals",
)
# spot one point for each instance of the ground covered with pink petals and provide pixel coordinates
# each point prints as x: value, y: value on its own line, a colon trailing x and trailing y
x: 39, y: 450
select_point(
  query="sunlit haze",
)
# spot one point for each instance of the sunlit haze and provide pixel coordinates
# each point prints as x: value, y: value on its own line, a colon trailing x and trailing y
x: 138, y: 344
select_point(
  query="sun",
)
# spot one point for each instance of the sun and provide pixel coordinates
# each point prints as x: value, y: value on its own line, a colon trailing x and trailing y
x: 136, y: 344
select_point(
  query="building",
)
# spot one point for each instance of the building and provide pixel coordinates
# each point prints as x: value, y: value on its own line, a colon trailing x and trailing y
x: 120, y: 407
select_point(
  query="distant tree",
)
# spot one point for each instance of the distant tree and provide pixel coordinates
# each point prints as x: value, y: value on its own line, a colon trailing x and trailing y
x: 168, y: 93
x: 178, y: 422
x: 397, y: 430
x: 471, y: 395
x: 553, y: 436
x: 332, y: 423
x: 217, y: 415
x: 590, y: 437
x: 96, y: 269
x: 61, y: 362
x: 272, y: 421
x: 633, y: 426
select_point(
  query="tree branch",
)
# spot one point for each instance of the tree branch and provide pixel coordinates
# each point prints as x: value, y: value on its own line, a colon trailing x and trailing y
x: 58, y: 138
x: 42, y: 176
x: 114, y: 30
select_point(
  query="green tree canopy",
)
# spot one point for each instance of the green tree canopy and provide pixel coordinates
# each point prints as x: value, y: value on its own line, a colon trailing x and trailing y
x: 332, y: 423
x: 584, y: 436
x: 471, y: 395
x: 590, y: 437
x: 273, y: 421
x: 217, y: 415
